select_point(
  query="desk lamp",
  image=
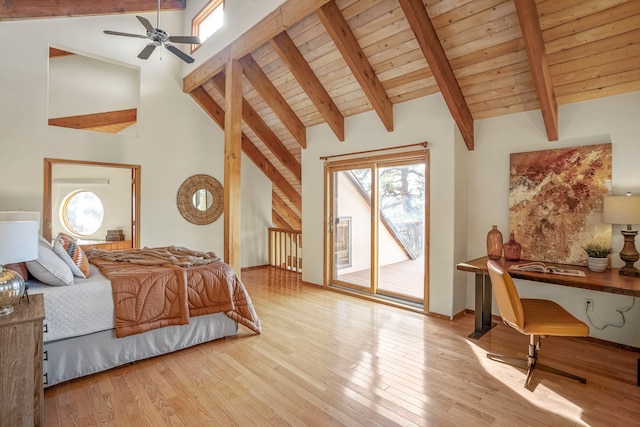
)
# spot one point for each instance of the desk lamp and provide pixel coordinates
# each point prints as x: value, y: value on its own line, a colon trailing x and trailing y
x: 625, y: 210
x: 18, y: 243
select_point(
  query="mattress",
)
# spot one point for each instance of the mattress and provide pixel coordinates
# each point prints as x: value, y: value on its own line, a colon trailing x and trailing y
x: 81, y: 308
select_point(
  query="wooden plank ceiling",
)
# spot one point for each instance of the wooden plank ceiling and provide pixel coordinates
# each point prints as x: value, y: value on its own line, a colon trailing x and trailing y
x: 319, y: 61
x: 487, y: 58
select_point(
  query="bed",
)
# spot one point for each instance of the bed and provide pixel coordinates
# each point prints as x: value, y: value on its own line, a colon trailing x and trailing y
x: 85, y: 331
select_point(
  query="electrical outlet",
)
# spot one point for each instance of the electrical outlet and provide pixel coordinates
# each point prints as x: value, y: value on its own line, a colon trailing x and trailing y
x: 588, y: 303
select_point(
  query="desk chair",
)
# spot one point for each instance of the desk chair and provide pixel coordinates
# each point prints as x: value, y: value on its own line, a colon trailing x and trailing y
x: 534, y: 317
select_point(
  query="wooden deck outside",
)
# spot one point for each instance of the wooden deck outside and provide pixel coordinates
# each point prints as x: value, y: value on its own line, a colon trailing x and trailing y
x: 402, y: 278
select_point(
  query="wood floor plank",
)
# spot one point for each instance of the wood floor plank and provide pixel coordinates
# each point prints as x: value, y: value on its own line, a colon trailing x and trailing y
x: 329, y: 359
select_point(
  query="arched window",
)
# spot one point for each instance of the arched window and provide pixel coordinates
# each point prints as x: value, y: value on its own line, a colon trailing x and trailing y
x: 82, y: 212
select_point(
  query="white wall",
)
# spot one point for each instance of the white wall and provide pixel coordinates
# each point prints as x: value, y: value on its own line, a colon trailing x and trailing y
x: 424, y: 119
x: 613, y: 119
x: 176, y: 139
x: 461, y: 232
x: 80, y: 84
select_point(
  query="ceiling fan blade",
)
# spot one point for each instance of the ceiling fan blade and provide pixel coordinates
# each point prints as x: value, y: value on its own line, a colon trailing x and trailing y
x: 180, y: 54
x: 185, y: 39
x: 118, y: 33
x: 144, y: 21
x: 147, y: 51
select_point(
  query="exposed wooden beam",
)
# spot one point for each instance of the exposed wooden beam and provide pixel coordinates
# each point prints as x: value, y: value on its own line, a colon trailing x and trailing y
x: 54, y: 53
x: 274, y: 99
x: 286, y: 15
x: 278, y: 221
x: 87, y: 121
x: 232, y: 164
x: 29, y: 9
x: 422, y: 27
x: 285, y: 212
x: 272, y: 173
x: 262, y: 131
x: 212, y: 108
x: 539, y: 63
x: 347, y: 44
x: 305, y: 76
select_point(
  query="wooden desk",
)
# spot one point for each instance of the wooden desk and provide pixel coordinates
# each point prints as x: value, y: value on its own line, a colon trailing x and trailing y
x: 608, y: 281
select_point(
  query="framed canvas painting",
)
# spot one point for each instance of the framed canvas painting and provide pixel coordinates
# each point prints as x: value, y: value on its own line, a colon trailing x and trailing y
x: 555, y: 201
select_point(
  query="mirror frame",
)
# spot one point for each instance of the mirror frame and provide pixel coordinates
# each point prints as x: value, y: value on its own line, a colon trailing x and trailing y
x: 185, y: 199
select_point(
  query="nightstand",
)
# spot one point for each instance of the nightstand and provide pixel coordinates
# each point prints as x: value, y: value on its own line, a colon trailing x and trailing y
x: 21, y: 382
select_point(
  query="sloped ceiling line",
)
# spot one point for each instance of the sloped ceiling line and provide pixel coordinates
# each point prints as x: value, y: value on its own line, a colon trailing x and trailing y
x: 30, y: 9
x: 344, y: 39
x: 305, y: 76
x: 266, y: 135
x: 429, y: 42
x: 286, y: 15
x: 539, y: 63
x: 208, y: 104
x: 271, y: 96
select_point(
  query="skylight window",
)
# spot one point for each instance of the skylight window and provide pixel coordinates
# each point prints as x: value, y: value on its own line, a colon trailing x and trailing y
x: 209, y: 20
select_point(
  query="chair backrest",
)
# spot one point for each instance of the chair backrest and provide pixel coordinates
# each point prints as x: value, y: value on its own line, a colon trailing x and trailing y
x: 506, y: 295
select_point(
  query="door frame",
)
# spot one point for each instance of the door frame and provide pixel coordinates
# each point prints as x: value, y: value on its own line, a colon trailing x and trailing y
x: 371, y: 161
x: 47, y: 205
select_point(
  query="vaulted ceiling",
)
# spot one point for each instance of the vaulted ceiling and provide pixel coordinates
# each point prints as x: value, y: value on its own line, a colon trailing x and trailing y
x: 319, y: 61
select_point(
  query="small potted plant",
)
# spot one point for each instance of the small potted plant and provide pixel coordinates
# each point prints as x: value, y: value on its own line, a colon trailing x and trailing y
x: 597, y: 256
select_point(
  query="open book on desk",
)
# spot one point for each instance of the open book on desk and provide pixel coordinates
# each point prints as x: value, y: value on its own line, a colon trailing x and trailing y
x: 540, y: 267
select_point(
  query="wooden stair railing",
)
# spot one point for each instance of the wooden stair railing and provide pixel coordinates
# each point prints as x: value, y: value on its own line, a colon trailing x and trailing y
x: 285, y: 249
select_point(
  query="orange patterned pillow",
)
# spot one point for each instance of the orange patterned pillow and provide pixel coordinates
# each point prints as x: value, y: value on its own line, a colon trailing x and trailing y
x: 68, y: 249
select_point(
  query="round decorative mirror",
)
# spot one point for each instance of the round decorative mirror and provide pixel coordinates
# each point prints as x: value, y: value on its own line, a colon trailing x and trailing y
x: 201, y: 199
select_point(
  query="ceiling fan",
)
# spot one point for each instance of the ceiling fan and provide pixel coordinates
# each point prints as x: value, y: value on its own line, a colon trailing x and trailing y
x: 159, y: 37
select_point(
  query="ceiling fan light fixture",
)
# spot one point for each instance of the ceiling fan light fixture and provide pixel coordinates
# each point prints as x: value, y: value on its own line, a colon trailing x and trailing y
x: 159, y: 37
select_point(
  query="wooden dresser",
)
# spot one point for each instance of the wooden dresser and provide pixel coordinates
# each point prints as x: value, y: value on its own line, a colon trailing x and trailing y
x: 110, y: 246
x: 21, y: 382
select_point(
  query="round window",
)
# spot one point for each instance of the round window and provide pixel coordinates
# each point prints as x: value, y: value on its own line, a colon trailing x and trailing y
x: 82, y: 212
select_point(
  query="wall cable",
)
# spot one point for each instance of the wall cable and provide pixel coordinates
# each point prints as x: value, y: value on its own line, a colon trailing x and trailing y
x: 619, y: 310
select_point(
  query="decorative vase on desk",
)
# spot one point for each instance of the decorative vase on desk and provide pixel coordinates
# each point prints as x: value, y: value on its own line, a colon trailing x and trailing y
x: 494, y: 243
x: 512, y: 249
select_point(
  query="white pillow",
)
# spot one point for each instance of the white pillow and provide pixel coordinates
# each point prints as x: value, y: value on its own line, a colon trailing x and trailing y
x: 49, y: 268
x: 43, y: 241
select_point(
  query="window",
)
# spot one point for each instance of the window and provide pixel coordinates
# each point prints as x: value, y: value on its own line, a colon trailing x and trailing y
x: 82, y: 212
x: 208, y: 21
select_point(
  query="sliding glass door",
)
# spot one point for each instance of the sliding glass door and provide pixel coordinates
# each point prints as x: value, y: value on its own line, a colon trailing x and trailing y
x: 376, y: 225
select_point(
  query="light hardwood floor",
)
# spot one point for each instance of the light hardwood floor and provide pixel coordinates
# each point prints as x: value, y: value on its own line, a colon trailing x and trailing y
x: 326, y: 359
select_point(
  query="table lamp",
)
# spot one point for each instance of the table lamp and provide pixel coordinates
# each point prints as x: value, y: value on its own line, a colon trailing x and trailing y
x: 18, y: 243
x: 624, y: 210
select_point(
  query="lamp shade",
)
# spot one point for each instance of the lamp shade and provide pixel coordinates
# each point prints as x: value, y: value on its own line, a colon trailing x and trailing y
x: 621, y: 210
x: 18, y: 236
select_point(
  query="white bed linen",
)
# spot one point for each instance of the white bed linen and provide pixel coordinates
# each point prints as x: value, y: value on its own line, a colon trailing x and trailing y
x: 76, y: 357
x: 81, y: 308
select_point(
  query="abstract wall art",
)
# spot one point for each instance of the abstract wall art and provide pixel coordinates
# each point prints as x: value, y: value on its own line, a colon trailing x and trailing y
x: 555, y: 201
